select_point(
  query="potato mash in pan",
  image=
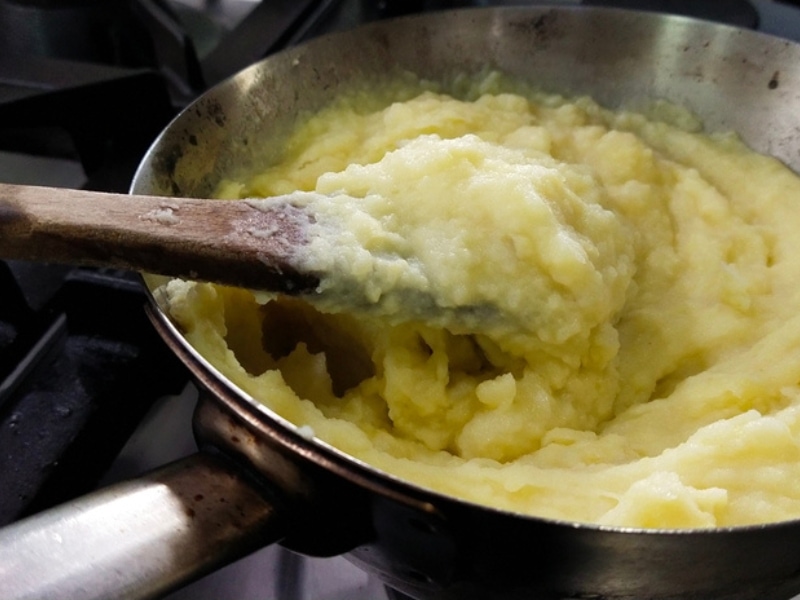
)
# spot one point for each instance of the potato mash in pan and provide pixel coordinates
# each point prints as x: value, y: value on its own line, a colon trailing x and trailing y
x: 656, y: 382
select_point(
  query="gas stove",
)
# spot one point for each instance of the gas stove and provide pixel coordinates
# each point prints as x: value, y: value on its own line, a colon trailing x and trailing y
x: 89, y: 395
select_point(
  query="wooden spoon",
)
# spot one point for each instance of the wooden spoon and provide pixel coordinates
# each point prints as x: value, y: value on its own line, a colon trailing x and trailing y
x: 256, y: 244
x: 216, y: 241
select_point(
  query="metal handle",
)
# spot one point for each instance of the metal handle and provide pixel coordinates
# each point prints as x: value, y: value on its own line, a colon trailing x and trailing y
x: 141, y: 538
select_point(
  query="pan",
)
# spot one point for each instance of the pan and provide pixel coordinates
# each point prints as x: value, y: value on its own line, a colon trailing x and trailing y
x: 259, y: 480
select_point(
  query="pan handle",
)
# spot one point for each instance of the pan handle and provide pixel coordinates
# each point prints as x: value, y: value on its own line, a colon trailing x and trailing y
x: 140, y: 538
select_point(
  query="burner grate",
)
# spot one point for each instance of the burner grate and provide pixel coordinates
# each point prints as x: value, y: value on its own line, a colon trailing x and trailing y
x: 78, y: 374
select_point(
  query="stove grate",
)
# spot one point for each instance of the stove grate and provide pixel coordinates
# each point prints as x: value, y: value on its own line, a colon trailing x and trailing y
x: 78, y: 370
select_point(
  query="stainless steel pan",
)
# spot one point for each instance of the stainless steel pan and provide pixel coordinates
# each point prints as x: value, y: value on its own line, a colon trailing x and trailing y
x: 259, y: 481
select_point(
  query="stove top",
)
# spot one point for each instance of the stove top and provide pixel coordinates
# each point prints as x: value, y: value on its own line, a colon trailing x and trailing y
x: 89, y: 395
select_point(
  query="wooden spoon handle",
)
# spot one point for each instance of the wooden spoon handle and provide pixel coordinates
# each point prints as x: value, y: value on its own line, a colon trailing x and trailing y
x: 220, y: 241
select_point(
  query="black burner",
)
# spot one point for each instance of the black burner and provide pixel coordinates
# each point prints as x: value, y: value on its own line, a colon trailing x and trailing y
x: 97, y: 80
x: 100, y: 31
x: 79, y: 367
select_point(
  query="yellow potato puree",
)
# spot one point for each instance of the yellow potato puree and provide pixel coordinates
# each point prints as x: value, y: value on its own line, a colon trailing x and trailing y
x: 657, y: 269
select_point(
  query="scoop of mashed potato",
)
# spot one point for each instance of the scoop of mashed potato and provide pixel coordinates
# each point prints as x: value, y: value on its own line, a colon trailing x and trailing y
x: 656, y: 382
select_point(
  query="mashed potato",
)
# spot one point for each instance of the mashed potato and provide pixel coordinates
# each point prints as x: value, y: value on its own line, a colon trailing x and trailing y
x: 656, y: 382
